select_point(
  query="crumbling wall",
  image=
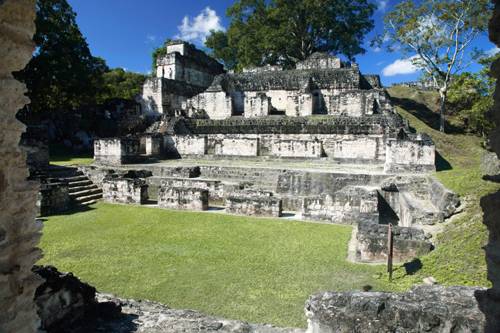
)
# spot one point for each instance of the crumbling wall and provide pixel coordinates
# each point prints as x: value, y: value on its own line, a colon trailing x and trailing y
x: 117, y: 151
x: 415, y: 153
x: 54, y: 198
x: 182, y: 198
x: 125, y: 190
x: 433, y: 309
x: 371, y: 243
x: 350, y: 205
x: 253, y: 205
x: 19, y: 234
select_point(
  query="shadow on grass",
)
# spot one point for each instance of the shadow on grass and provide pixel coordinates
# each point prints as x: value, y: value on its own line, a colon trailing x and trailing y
x: 413, y: 266
x: 71, y: 211
x: 426, y: 115
x: 441, y: 163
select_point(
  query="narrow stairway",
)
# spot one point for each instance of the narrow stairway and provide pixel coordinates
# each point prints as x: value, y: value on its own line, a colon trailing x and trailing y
x: 82, y: 191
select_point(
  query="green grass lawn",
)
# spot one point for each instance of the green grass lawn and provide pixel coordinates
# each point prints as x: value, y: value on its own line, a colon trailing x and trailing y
x: 259, y: 270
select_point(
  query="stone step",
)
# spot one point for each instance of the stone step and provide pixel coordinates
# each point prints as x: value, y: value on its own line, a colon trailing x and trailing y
x: 80, y: 183
x: 75, y: 189
x: 88, y: 198
x: 88, y: 203
x: 85, y: 193
x: 75, y: 178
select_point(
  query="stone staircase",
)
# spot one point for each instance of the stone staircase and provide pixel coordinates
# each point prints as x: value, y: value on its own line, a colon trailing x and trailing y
x: 82, y: 191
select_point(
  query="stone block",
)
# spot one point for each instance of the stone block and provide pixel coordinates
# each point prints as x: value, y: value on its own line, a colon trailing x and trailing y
x: 250, y: 205
x: 433, y: 309
x: 125, y: 190
x: 182, y: 198
x: 351, y: 205
x: 372, y: 238
x: 53, y: 198
x: 413, y: 153
x: 117, y: 151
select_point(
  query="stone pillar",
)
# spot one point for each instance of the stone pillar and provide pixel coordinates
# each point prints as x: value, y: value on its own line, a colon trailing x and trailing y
x: 19, y: 234
x: 490, y: 204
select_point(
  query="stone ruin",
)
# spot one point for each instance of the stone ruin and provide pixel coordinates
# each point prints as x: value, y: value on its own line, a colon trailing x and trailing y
x: 63, y: 297
x: 321, y: 141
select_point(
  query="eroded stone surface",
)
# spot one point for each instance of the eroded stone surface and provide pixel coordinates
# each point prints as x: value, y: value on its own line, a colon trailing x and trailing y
x: 18, y: 231
x: 422, y: 309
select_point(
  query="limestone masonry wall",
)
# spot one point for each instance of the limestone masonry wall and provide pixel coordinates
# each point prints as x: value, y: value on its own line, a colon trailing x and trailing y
x: 19, y: 233
x: 372, y: 238
x: 253, y: 205
x: 351, y: 205
x: 182, y: 198
x: 53, y: 198
x: 125, y: 190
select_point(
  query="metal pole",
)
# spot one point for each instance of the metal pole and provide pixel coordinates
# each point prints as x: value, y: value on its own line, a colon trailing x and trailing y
x: 390, y: 248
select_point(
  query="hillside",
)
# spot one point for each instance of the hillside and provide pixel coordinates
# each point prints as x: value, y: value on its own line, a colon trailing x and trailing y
x: 459, y: 257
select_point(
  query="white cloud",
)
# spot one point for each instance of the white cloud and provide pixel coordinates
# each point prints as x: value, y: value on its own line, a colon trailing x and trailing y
x: 493, y: 51
x: 377, y: 49
x: 400, y: 66
x: 198, y: 28
x: 382, y: 5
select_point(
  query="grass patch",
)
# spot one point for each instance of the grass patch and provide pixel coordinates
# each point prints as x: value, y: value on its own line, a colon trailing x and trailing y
x: 459, y: 257
x: 259, y: 270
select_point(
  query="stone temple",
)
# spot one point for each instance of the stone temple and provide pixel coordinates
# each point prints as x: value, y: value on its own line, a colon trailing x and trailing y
x: 320, y: 142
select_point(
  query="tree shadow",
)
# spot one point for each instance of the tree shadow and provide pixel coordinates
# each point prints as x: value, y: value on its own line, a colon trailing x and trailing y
x: 441, y: 163
x: 426, y: 115
x: 413, y: 266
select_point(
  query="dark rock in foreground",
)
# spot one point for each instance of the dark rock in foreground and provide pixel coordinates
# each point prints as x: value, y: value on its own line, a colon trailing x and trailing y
x: 422, y: 309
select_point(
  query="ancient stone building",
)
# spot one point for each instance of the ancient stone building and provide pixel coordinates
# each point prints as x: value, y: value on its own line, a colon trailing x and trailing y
x: 322, y: 141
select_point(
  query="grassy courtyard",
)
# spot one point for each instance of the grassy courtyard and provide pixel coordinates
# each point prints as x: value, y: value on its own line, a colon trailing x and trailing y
x: 259, y: 270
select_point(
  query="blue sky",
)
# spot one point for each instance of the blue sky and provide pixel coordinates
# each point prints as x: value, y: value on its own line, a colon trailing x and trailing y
x: 125, y: 32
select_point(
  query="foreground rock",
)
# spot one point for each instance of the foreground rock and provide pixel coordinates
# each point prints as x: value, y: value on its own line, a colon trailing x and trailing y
x: 65, y: 304
x: 422, y: 309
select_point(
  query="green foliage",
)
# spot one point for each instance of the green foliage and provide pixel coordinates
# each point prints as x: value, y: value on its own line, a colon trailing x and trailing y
x: 470, y: 97
x: 118, y: 83
x: 219, y: 44
x: 287, y: 31
x: 253, y: 269
x: 63, y: 74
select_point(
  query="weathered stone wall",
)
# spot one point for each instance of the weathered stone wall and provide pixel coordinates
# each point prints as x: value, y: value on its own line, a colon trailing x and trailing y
x: 351, y: 205
x: 19, y: 233
x: 253, y: 205
x: 153, y: 145
x: 215, y: 187
x: 256, y: 105
x: 117, y: 151
x: 415, y: 153
x: 53, y: 198
x: 372, y: 238
x: 434, y: 309
x: 340, y: 147
x: 125, y: 190
x: 320, y: 60
x: 182, y: 198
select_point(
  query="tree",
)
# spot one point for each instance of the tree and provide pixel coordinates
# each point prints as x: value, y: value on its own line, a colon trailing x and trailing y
x: 438, y: 33
x: 219, y: 44
x: 118, y: 83
x: 471, y: 97
x: 287, y: 31
x: 62, y: 74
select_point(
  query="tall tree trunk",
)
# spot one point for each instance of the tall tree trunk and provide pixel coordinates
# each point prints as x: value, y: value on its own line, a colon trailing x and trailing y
x: 442, y: 108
